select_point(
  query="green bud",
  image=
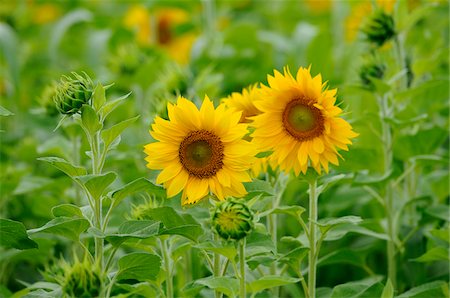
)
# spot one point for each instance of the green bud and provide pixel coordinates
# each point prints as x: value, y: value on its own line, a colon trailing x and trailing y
x: 379, y: 28
x: 73, y: 92
x: 232, y: 220
x: 369, y: 71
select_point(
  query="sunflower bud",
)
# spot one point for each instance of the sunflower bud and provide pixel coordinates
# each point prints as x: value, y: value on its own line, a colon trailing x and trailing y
x: 232, y: 219
x: 72, y: 93
x: 82, y: 280
x: 379, y: 27
x: 370, y: 71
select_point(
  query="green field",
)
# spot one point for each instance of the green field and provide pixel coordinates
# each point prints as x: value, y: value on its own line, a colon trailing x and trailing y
x: 224, y: 148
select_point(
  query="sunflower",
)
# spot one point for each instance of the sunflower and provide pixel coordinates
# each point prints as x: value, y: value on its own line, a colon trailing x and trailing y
x: 244, y: 102
x: 200, y: 151
x: 300, y: 122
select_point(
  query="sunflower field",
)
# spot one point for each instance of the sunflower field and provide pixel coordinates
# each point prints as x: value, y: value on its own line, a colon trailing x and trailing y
x: 224, y: 148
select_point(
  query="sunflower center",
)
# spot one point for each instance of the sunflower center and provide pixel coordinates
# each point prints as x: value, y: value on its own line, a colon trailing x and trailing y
x: 201, y: 153
x: 302, y: 120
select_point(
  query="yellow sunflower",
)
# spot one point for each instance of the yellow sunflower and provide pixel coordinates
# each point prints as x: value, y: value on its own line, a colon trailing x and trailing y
x: 200, y: 151
x: 300, y: 122
x: 244, y: 102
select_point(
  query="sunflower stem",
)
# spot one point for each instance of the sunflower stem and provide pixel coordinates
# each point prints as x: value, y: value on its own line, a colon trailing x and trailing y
x: 242, y: 268
x: 166, y: 257
x: 313, y: 198
x: 216, y: 267
x: 389, y: 204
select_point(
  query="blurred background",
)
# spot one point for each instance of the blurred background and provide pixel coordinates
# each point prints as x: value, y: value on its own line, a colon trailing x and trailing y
x: 161, y: 49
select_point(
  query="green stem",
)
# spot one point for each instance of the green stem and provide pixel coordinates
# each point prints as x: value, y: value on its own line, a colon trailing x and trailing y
x: 312, y: 238
x: 242, y: 268
x: 389, y: 202
x: 166, y: 257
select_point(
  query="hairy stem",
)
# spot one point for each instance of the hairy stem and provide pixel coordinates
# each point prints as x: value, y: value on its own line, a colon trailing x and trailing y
x: 166, y: 257
x: 312, y: 239
x: 242, y: 292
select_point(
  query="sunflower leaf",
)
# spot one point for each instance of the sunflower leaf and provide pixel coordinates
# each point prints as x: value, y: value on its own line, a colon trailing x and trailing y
x: 14, y: 235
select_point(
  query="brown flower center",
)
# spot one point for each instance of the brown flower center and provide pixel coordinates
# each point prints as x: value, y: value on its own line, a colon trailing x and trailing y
x: 201, y: 153
x: 302, y: 120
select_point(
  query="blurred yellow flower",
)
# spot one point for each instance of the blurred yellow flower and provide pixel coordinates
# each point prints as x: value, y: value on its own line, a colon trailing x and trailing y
x: 200, y: 151
x: 177, y: 44
x: 244, y: 102
x: 319, y: 5
x: 300, y: 122
x: 361, y: 11
x: 45, y: 13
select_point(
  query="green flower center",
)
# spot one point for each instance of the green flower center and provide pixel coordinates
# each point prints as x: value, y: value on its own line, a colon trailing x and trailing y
x: 302, y: 120
x: 201, y: 153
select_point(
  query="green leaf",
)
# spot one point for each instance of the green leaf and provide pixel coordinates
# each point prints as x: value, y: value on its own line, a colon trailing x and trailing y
x: 140, y: 184
x: 258, y: 243
x: 295, y: 256
x: 175, y: 224
x: 264, y: 154
x: 388, y: 291
x: 361, y: 288
x: 341, y: 230
x: 259, y: 187
x: 329, y: 180
x: 31, y: 184
x: 344, y: 256
x: 14, y: 235
x: 366, y: 179
x: 327, y: 224
x: 5, y: 112
x: 111, y: 134
x: 443, y: 234
x: 134, y: 229
x: 139, y: 266
x: 439, y: 211
x: 270, y: 281
x: 294, y: 211
x: 64, y: 226
x: 225, y: 249
x: 227, y: 285
x: 111, y: 105
x: 432, y: 289
x: 99, y: 98
x: 89, y: 120
x: 438, y: 253
x: 64, y: 166
x: 67, y: 210
x: 96, y: 184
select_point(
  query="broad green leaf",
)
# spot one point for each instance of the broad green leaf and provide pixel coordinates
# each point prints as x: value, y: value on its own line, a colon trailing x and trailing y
x: 294, y: 211
x: 64, y: 226
x: 295, y: 256
x: 5, y: 112
x: 388, y: 291
x: 343, y: 229
x: 134, y: 229
x: 227, y: 285
x: 437, y: 253
x: 259, y: 187
x: 139, y: 266
x: 361, y: 288
x: 443, y: 234
x: 140, y: 184
x: 225, y: 249
x: 64, y: 166
x: 175, y: 224
x: 329, y: 180
x: 67, y: 210
x: 327, y: 224
x: 99, y: 98
x: 258, y: 243
x: 31, y: 183
x: 432, y: 289
x: 270, y: 281
x: 110, y: 135
x: 258, y: 260
x: 111, y: 105
x: 96, y: 184
x: 439, y: 211
x: 89, y: 120
x: 344, y: 256
x: 366, y: 179
x: 14, y: 235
